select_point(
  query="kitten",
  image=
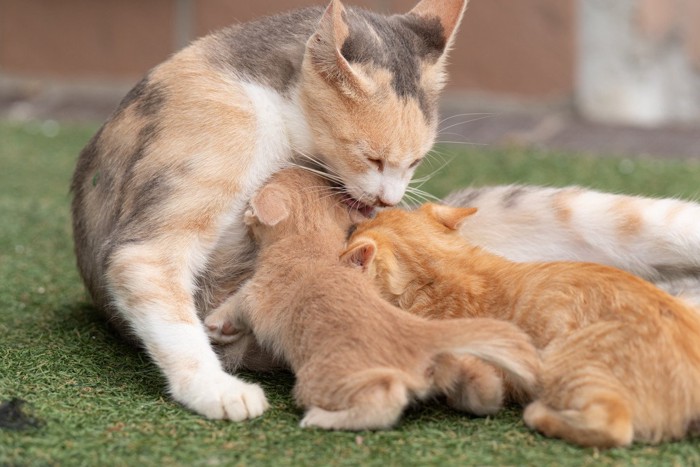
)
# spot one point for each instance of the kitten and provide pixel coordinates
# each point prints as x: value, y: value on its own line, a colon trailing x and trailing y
x: 621, y: 358
x: 358, y: 361
x: 657, y: 239
x: 160, y: 190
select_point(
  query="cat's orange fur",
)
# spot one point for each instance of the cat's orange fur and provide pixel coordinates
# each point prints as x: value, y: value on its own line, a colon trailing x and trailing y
x: 621, y: 358
x: 358, y: 360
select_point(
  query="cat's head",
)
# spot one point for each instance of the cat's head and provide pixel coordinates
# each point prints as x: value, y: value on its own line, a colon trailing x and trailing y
x: 295, y: 201
x: 370, y: 85
x: 394, y: 248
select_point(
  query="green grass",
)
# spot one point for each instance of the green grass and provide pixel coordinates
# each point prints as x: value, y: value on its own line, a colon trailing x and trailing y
x: 103, y: 402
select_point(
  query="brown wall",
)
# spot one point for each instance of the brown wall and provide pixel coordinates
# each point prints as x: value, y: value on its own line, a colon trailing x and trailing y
x: 514, y: 47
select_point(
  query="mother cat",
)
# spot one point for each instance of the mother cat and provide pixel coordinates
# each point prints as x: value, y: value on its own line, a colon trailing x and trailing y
x: 160, y: 189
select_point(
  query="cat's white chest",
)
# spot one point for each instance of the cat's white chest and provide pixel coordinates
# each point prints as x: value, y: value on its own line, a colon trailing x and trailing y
x: 281, y: 129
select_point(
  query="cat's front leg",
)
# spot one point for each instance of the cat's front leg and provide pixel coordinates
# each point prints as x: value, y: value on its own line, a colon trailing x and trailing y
x: 228, y: 322
x: 159, y: 307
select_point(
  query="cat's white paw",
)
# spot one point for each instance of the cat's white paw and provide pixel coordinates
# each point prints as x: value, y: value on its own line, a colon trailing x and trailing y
x: 218, y: 395
x: 221, y: 330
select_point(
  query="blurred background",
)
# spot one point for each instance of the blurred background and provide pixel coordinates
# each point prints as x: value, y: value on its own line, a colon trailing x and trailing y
x: 598, y: 76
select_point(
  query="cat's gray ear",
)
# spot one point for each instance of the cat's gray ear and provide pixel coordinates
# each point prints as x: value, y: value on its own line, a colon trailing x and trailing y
x: 269, y: 206
x: 324, y: 51
x: 360, y: 253
x: 449, y: 216
x: 447, y: 13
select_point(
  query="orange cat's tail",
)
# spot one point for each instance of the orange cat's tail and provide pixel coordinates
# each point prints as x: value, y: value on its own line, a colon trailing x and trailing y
x: 500, y: 343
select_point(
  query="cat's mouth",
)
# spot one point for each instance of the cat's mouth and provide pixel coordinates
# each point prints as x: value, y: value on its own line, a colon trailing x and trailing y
x: 365, y: 210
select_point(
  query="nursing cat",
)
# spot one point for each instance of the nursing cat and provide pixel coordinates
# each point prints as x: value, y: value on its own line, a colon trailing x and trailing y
x: 621, y: 358
x: 358, y: 360
x: 160, y: 190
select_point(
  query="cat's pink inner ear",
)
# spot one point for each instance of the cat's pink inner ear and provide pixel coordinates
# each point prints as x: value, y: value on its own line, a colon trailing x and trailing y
x: 451, y: 217
x: 360, y: 254
x: 270, y: 205
x: 448, y: 12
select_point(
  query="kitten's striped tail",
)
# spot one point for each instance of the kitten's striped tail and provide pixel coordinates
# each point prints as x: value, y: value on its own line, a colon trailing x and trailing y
x: 500, y: 343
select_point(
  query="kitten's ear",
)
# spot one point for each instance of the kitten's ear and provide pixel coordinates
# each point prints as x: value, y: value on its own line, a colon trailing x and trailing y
x: 449, y: 216
x: 361, y: 254
x: 324, y: 50
x: 269, y: 206
x: 449, y: 15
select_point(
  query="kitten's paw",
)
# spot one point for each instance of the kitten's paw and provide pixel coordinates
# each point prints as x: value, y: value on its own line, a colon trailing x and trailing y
x: 222, y: 396
x: 317, y: 417
x: 479, y: 390
x: 221, y: 330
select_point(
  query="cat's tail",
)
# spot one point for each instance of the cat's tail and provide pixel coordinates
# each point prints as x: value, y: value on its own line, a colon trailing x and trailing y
x: 500, y: 343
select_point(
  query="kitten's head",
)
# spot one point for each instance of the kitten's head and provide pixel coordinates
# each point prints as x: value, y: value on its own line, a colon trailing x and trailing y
x: 370, y: 85
x: 295, y: 201
x: 394, y: 248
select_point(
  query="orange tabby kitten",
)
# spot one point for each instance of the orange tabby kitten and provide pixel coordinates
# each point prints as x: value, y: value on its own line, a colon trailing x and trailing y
x: 358, y: 360
x: 621, y: 358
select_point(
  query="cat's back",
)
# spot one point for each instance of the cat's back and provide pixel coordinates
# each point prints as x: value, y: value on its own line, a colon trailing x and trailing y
x: 268, y: 50
x: 179, y: 144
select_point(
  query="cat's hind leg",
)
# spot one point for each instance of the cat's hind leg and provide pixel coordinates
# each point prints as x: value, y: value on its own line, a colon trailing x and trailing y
x: 604, y: 421
x: 376, y: 401
x: 469, y: 384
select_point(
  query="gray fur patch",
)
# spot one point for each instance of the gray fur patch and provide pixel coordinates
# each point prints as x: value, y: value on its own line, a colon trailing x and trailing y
x: 148, y: 198
x: 406, y: 42
x: 148, y: 98
x: 512, y: 196
x: 269, y: 50
x: 465, y: 197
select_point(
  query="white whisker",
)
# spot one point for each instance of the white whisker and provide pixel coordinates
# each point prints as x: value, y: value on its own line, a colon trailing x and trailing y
x: 464, y: 123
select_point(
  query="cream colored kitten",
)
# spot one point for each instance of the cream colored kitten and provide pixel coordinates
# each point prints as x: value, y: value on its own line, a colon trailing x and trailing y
x: 160, y: 190
x: 358, y: 361
x: 621, y: 358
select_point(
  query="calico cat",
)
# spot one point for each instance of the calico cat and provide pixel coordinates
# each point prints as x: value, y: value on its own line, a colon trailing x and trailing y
x: 358, y: 360
x: 657, y: 239
x: 621, y: 358
x: 160, y: 189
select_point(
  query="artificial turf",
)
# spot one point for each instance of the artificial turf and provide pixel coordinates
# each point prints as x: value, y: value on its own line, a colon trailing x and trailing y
x: 99, y: 402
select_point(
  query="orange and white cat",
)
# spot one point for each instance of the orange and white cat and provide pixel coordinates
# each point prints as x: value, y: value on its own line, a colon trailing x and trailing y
x: 160, y: 190
x: 358, y: 360
x: 621, y: 358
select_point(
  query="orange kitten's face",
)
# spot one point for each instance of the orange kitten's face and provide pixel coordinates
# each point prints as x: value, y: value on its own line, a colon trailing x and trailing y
x: 392, y: 247
x: 369, y: 87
